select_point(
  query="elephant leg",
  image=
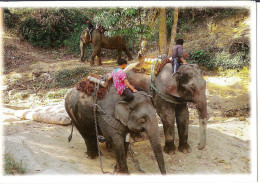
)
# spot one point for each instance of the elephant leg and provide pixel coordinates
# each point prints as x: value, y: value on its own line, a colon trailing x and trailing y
x: 119, y: 53
x: 90, y: 141
x: 128, y: 54
x: 95, y: 53
x: 182, y: 120
x: 99, y: 59
x: 91, y: 144
x: 82, y: 49
x: 120, y: 152
x: 167, y: 115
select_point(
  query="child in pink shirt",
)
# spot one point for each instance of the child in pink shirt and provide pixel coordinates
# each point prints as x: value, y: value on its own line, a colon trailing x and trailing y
x: 120, y: 81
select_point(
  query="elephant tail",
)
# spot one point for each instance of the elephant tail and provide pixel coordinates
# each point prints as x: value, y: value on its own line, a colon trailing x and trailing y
x: 70, y: 137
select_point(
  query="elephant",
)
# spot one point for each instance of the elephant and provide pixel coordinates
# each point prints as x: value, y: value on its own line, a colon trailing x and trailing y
x: 99, y: 40
x: 186, y: 85
x: 115, y: 119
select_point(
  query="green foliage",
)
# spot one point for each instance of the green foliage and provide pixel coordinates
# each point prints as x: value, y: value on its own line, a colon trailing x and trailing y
x: 32, y: 31
x: 202, y: 57
x: 72, y: 42
x: 227, y: 61
x: 67, y: 78
x: 10, y: 21
x: 185, y: 28
x: 188, y: 15
x: 222, y: 60
x: 48, y: 28
x: 169, y: 21
x: 12, y: 167
x: 125, y: 22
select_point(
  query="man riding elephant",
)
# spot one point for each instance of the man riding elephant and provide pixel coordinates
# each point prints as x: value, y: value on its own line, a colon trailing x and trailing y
x: 99, y: 40
x: 90, y: 27
x: 171, y: 92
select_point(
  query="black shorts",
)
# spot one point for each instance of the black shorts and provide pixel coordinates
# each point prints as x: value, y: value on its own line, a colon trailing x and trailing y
x: 128, y: 95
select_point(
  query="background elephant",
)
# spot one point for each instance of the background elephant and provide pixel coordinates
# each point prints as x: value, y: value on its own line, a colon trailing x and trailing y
x: 187, y: 85
x: 136, y: 116
x: 99, y: 41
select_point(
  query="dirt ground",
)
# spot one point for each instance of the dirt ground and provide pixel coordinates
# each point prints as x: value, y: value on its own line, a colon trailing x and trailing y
x: 44, y: 148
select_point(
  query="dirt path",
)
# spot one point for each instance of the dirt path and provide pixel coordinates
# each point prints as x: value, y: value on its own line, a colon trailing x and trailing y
x: 44, y: 149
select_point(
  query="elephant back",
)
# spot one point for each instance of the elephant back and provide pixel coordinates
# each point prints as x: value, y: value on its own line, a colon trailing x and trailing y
x: 145, y: 65
x: 87, y: 86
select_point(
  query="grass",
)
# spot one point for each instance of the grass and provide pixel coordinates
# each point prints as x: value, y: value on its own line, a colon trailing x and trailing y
x: 12, y: 167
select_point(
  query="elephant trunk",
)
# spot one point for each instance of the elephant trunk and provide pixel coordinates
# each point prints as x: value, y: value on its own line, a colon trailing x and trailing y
x: 202, y: 111
x: 152, y: 131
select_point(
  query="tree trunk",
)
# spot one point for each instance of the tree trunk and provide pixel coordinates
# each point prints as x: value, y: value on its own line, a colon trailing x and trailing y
x: 155, y: 15
x: 143, y: 44
x: 174, y: 30
x: 193, y: 13
x: 49, y: 114
x: 162, y: 32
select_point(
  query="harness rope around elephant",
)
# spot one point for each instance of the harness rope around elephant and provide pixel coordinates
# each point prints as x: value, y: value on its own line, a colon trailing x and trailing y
x: 165, y: 97
x: 96, y: 128
x: 115, y: 124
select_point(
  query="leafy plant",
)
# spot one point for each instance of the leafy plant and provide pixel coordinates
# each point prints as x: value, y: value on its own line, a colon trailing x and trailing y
x: 13, y: 167
x: 185, y: 28
x: 202, y: 57
x: 125, y: 22
x: 227, y: 61
x: 11, y: 21
x: 48, y: 28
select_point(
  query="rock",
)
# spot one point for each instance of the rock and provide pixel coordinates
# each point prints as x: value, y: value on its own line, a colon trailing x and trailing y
x: 242, y: 118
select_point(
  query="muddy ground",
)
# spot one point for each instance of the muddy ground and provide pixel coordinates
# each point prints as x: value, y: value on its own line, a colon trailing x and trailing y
x: 44, y: 148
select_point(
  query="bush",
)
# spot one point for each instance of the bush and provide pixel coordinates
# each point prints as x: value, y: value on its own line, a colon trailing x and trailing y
x: 227, y: 61
x: 48, y: 28
x: 222, y: 60
x: 126, y: 23
x: 202, y: 58
x: 72, y: 43
x: 10, y: 21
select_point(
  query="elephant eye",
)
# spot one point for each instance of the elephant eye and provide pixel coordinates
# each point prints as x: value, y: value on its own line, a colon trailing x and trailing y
x: 141, y: 120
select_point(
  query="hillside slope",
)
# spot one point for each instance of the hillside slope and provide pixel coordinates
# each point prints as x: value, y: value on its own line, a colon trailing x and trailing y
x: 217, y: 35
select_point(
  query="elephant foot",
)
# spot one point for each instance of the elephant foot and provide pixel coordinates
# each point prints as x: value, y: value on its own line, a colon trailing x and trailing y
x: 184, y: 148
x: 169, y: 148
x: 91, y: 155
x: 121, y: 171
x: 108, y: 147
x: 201, y: 146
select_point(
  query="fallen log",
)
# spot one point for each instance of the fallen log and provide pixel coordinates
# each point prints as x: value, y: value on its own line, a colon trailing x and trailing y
x: 46, y: 117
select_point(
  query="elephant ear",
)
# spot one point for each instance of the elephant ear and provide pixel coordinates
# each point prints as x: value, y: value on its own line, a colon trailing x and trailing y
x: 173, y: 87
x: 122, y: 112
